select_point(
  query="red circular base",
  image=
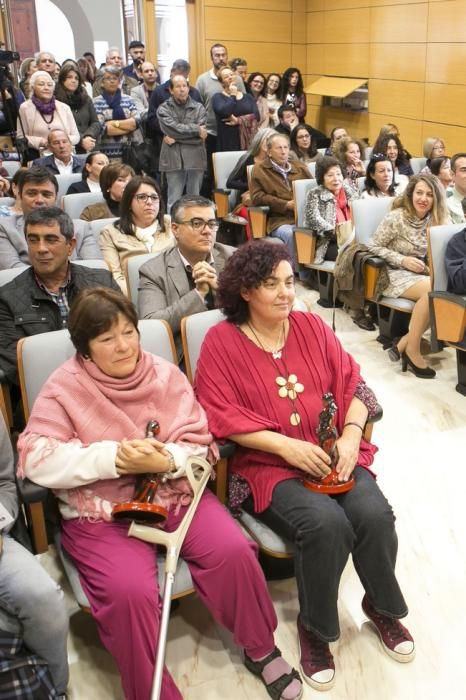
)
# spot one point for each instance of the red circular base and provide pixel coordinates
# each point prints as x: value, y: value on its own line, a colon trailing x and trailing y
x: 331, y: 487
x: 141, y: 512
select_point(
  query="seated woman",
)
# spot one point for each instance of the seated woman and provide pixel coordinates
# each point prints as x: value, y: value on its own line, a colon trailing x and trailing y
x: 327, y: 206
x: 256, y: 153
x: 302, y: 144
x: 259, y: 345
x: 441, y: 168
x: 401, y: 240
x: 113, y: 179
x: 292, y: 92
x: 85, y: 439
x: 237, y: 114
x: 255, y: 86
x: 337, y: 133
x: 379, y: 178
x: 117, y: 114
x: 95, y: 161
x: 13, y: 209
x: 350, y: 152
x: 272, y: 95
x: 390, y: 145
x: 71, y: 91
x: 141, y: 228
x: 41, y: 113
x: 433, y: 147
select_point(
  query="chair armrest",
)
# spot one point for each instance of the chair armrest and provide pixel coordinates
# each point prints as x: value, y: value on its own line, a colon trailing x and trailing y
x: 368, y: 428
x: 5, y: 401
x: 306, y: 243
x: 34, y: 497
x: 448, y: 316
x: 222, y: 202
x: 258, y: 221
x: 371, y: 271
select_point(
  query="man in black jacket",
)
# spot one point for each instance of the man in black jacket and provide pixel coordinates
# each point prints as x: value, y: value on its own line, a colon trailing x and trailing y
x: 455, y: 262
x: 38, y: 300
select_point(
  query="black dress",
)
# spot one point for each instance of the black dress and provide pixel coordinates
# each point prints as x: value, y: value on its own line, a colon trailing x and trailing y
x: 228, y: 137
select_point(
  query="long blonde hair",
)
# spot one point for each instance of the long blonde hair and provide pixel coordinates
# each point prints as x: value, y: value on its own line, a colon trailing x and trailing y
x: 439, y: 209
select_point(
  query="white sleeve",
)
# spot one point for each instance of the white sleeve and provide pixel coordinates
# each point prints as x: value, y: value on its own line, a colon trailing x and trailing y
x: 181, y: 453
x: 67, y: 465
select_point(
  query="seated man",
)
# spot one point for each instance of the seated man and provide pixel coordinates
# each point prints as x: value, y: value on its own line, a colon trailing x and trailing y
x: 38, y: 188
x: 455, y: 262
x: 271, y: 186
x: 32, y: 608
x: 182, y: 280
x: 61, y: 161
x: 456, y: 196
x: 289, y: 120
x: 38, y: 299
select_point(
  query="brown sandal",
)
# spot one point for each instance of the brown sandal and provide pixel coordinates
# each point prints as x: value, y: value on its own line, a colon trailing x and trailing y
x: 276, y: 688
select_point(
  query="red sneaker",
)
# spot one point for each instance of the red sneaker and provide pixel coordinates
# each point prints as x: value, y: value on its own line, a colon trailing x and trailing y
x: 317, y: 665
x: 394, y: 637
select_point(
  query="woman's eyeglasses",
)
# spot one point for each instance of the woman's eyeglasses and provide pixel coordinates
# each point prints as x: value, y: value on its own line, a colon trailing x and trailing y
x: 144, y: 197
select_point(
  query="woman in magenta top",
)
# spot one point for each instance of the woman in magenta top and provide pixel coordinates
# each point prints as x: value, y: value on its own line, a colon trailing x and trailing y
x: 261, y: 377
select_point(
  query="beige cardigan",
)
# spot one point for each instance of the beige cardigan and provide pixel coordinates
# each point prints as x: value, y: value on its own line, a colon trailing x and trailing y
x: 37, y: 129
x: 116, y: 247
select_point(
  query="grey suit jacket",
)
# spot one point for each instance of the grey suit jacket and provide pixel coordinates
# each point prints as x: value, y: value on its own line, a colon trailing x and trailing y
x: 140, y: 99
x: 14, y: 250
x: 164, y: 288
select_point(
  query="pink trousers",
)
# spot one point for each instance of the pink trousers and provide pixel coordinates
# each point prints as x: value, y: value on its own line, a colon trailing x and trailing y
x: 119, y: 576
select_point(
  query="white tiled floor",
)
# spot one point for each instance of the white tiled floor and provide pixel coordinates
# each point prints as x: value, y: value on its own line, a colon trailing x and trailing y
x: 420, y: 466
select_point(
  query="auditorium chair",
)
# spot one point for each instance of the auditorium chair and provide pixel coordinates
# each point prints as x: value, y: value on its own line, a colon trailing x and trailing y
x: 99, y: 224
x: 64, y: 182
x: 417, y: 164
x: 223, y: 165
x: 74, y: 204
x: 131, y: 267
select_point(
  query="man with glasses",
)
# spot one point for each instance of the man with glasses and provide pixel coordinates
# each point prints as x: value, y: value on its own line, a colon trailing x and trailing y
x: 182, y: 280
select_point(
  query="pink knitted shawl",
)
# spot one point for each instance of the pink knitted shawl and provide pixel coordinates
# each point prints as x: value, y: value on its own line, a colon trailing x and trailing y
x: 79, y: 402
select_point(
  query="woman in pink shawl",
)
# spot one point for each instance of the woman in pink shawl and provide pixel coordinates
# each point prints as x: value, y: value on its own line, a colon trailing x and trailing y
x: 84, y: 440
x: 261, y: 377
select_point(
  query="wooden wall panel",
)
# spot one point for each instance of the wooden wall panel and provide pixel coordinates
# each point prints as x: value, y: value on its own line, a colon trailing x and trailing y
x: 405, y: 99
x: 410, y: 130
x: 445, y: 63
x: 356, y: 123
x: 347, y: 60
x: 344, y: 26
x: 315, y: 27
x: 454, y: 136
x: 315, y: 5
x: 398, y: 62
x: 262, y: 57
x: 224, y: 24
x: 447, y: 21
x: 315, y: 59
x: 393, y: 25
x: 298, y: 59
x: 284, y: 5
x: 446, y: 104
x: 345, y: 4
x: 299, y: 30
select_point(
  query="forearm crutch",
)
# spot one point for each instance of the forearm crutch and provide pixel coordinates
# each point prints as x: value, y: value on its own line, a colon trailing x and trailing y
x: 198, y: 471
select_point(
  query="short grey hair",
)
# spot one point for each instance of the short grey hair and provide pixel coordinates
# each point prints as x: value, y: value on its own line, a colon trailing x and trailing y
x: 37, y: 56
x: 113, y: 70
x: 39, y: 74
x: 275, y: 136
x: 111, y: 49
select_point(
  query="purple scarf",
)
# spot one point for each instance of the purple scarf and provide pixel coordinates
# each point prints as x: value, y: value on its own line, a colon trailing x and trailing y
x: 43, y: 107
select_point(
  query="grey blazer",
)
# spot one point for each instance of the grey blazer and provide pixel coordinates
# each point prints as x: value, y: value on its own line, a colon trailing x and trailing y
x: 14, y: 250
x: 164, y: 288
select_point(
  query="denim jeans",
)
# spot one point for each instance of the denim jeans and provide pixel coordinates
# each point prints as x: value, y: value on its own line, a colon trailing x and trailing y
x: 285, y: 233
x: 325, y: 531
x: 178, y: 180
x: 32, y: 605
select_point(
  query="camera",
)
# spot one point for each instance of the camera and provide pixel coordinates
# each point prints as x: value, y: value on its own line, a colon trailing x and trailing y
x: 9, y: 57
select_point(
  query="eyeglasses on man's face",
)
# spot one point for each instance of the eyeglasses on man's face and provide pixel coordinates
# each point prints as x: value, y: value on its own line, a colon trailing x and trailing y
x: 145, y: 197
x: 200, y: 224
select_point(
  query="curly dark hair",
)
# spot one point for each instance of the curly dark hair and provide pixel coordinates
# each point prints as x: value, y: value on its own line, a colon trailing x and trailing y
x: 252, y: 77
x: 381, y: 146
x: 247, y: 268
x: 285, y: 86
x: 370, y: 184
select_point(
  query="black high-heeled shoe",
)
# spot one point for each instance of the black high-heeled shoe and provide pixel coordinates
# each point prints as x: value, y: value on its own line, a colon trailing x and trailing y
x: 421, y: 372
x: 393, y: 352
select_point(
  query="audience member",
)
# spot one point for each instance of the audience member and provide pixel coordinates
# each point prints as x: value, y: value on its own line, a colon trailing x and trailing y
x: 86, y: 74
x: 272, y: 95
x: 457, y: 194
x: 271, y: 186
x: 183, y: 154
x: 42, y: 112
x: 26, y: 69
x: 114, y: 60
x: 455, y: 262
x: 350, y: 153
x: 302, y: 144
x: 137, y: 51
x: 95, y: 405
x: 433, y: 147
x: 93, y: 165
x: 239, y: 66
x: 38, y: 188
x: 16, y: 208
x: 288, y: 119
x: 61, y: 161
x: 182, y: 280
x: 32, y: 605
x: 141, y: 94
x: 113, y: 179
x: 379, y: 177
x: 337, y: 133
x: 45, y: 61
x: 236, y: 112
x: 255, y: 85
x: 70, y: 90
x: 117, y: 115
x: 292, y: 92
x: 141, y: 228
x: 441, y: 168
x: 277, y: 436
x: 390, y: 145
x: 256, y: 154
x: 38, y: 299
x: 401, y: 240
x: 327, y: 206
